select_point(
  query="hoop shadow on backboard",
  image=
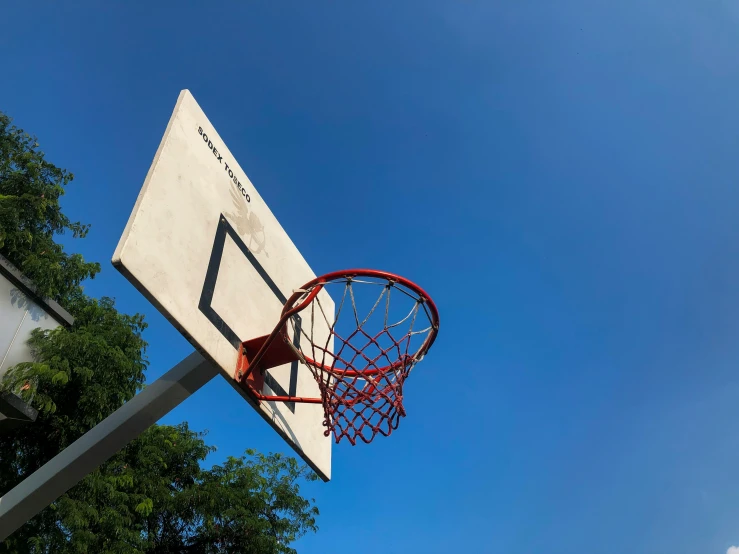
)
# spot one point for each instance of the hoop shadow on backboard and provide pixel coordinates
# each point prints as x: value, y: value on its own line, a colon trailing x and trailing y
x: 205, y: 305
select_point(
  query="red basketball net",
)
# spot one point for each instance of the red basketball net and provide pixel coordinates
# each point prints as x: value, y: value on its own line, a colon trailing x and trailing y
x: 376, y: 344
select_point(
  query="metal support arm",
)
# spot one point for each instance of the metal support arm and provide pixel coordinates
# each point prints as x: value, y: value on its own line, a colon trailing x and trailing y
x: 101, y: 442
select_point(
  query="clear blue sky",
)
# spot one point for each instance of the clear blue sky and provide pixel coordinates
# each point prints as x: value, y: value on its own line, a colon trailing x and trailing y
x: 560, y: 176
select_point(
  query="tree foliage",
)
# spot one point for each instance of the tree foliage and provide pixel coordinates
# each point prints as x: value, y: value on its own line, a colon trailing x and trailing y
x: 31, y: 217
x: 154, y: 495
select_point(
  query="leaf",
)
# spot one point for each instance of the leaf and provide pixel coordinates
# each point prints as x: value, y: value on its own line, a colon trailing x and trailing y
x: 146, y: 507
x: 60, y: 378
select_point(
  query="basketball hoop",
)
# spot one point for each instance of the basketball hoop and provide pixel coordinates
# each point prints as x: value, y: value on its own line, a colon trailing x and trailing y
x: 361, y: 377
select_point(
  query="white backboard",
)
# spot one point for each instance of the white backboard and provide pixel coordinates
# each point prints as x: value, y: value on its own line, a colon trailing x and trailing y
x: 205, y: 249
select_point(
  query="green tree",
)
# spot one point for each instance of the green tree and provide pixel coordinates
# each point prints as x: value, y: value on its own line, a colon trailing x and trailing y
x: 154, y: 495
x: 31, y: 217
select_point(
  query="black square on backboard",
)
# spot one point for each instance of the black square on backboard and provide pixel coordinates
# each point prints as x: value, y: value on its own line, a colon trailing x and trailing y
x: 206, y: 298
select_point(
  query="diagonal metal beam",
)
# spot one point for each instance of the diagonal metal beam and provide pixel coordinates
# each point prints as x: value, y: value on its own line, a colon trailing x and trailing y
x: 101, y: 442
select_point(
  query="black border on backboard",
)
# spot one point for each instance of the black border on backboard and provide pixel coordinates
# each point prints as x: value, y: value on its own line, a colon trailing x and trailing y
x: 206, y: 298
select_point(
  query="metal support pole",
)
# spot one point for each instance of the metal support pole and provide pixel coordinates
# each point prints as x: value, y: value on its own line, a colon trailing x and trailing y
x: 101, y: 442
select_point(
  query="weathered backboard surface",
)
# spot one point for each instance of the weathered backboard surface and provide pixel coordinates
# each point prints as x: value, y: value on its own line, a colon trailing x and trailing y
x: 204, y: 248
